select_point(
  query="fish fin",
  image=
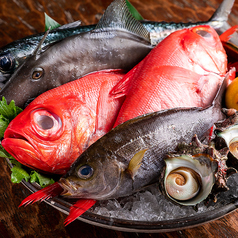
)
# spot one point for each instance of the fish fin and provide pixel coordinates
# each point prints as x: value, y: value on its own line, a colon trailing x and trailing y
x: 120, y: 90
x: 219, y: 20
x: 118, y: 16
x: 225, y: 36
x: 217, y: 102
x: 70, y: 25
x: 223, y: 11
x: 38, y: 48
x: 43, y: 194
x: 135, y: 163
x: 78, y: 209
x: 103, y: 109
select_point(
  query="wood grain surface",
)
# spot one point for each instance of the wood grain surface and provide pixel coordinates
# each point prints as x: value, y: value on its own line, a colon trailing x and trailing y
x: 20, y: 18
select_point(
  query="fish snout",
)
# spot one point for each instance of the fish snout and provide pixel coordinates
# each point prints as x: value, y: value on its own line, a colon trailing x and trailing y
x: 69, y: 188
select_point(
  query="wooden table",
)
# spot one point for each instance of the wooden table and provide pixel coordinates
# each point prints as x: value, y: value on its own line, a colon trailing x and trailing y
x: 25, y: 17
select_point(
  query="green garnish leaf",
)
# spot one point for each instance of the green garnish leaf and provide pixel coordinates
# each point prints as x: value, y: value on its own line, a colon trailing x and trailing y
x: 4, y: 153
x: 133, y: 11
x: 41, y: 179
x: 18, y: 174
x: 50, y: 23
x: 7, y: 113
x: 3, y: 125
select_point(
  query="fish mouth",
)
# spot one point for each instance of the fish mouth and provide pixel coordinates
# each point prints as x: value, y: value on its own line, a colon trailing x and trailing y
x: 68, y: 188
x: 20, y: 147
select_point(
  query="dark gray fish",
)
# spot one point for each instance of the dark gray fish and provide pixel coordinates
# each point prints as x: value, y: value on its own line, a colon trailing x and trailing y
x: 118, y: 42
x: 131, y: 155
x: 13, y: 54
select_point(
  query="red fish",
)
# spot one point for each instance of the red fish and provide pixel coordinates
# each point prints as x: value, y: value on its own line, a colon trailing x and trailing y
x: 185, y: 69
x: 61, y: 123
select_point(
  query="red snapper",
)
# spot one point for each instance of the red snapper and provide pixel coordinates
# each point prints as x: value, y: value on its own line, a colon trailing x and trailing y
x: 184, y: 70
x: 61, y: 123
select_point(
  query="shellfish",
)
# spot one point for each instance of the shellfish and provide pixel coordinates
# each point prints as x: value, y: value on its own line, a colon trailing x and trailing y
x: 227, y: 132
x: 193, y: 173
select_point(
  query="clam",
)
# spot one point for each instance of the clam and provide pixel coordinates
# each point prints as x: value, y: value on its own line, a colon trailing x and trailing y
x: 190, y: 175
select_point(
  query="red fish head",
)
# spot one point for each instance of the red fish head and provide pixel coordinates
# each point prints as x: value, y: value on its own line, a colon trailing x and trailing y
x: 43, y: 136
x: 204, y: 50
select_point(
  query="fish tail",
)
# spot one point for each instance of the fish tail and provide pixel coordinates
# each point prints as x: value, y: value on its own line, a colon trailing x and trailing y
x: 78, y: 209
x: 225, y: 36
x: 223, y: 11
x: 43, y: 194
x: 219, y: 20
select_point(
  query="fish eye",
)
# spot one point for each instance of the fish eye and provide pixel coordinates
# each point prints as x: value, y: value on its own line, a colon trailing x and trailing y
x: 37, y: 73
x: 45, y: 122
x: 204, y: 34
x: 7, y: 63
x: 85, y: 172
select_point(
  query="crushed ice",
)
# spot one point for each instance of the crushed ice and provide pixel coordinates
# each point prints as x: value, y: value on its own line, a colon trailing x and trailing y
x: 151, y: 205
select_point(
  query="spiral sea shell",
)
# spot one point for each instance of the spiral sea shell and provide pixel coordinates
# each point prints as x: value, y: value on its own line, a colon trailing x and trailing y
x: 189, y: 179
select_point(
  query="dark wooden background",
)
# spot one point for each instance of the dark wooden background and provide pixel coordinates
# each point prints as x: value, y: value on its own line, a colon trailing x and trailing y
x: 19, y: 18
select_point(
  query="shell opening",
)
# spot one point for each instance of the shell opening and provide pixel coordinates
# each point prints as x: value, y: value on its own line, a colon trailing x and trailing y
x: 230, y: 135
x: 182, y: 184
x: 233, y: 147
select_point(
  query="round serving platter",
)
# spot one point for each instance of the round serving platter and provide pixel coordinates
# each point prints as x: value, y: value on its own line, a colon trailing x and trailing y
x: 226, y: 203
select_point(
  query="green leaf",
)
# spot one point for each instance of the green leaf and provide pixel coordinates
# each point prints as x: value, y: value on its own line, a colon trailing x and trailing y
x: 18, y: 174
x: 4, y: 153
x: 3, y: 125
x: 133, y: 11
x: 14, y: 162
x: 41, y: 179
x: 50, y: 23
x: 7, y: 113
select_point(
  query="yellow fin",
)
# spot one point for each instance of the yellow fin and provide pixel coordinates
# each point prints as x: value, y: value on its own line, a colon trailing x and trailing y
x: 135, y: 163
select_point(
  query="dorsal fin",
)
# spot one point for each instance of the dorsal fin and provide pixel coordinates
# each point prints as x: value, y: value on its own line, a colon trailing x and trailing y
x: 118, y: 16
x: 38, y: 48
x: 70, y: 25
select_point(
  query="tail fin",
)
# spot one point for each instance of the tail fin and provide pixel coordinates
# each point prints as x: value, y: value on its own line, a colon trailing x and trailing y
x: 223, y: 11
x: 219, y: 19
x: 226, y: 36
x: 48, y: 192
x: 78, y: 209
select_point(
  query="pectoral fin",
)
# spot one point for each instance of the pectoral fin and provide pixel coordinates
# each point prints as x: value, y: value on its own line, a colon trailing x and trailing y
x: 135, y: 163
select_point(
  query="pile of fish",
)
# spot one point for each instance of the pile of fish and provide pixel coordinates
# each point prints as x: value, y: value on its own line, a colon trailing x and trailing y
x: 117, y: 113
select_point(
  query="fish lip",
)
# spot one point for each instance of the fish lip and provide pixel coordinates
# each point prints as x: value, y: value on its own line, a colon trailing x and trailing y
x: 12, y: 135
x: 68, y: 187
